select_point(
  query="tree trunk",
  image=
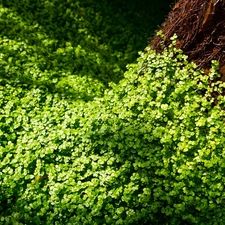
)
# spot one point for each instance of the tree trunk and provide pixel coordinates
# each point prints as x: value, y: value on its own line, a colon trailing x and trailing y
x: 200, y: 27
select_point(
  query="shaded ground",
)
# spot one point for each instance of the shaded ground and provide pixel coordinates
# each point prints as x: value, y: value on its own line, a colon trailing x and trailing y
x: 113, y: 31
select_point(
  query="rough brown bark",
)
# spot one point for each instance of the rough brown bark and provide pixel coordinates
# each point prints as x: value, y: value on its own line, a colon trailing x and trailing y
x: 200, y: 27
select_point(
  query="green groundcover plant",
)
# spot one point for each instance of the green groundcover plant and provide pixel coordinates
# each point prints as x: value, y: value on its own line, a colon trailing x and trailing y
x: 151, y: 151
x: 74, y: 149
x: 72, y: 47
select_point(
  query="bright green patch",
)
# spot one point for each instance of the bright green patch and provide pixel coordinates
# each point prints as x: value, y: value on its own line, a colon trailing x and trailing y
x: 148, y: 151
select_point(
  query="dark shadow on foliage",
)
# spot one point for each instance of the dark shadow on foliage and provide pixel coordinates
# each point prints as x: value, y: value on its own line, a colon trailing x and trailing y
x: 122, y: 26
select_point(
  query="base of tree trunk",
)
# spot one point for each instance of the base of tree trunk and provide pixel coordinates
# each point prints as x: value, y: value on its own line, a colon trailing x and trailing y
x: 200, y: 27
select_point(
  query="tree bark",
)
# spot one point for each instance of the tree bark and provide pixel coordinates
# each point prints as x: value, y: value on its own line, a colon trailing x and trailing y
x: 200, y: 27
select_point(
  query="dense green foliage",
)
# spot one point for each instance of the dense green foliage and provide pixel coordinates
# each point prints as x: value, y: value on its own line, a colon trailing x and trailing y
x: 148, y: 151
x: 64, y: 45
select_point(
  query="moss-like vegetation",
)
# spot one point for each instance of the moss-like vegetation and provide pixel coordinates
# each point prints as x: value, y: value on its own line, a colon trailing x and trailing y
x: 83, y: 142
x: 63, y: 45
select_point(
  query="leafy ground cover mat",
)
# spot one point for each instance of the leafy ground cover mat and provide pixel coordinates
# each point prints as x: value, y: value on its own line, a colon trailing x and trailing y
x: 147, y: 148
x: 73, y: 47
x: 151, y: 150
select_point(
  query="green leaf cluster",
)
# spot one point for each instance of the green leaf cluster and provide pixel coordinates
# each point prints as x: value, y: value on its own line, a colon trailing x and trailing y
x: 151, y: 150
x: 148, y: 151
x: 72, y: 47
